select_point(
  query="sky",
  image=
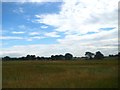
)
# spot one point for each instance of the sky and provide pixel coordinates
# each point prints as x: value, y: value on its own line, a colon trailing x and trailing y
x: 50, y: 27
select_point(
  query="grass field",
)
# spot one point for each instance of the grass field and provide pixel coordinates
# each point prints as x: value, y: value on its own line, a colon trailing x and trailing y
x: 61, y: 74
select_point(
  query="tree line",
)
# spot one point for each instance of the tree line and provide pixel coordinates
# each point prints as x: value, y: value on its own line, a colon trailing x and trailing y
x: 67, y: 56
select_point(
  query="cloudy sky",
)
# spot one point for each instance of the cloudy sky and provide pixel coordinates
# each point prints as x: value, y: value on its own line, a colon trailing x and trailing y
x: 45, y: 28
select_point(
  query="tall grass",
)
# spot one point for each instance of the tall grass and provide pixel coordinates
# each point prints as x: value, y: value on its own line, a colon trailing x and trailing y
x: 60, y: 74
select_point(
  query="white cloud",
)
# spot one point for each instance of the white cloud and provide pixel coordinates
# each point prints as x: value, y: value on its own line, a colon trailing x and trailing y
x: 48, y: 50
x: 22, y: 27
x: 23, y: 1
x: 34, y: 33
x: 39, y: 49
x: 97, y: 40
x: 10, y: 37
x: 20, y: 38
x: 79, y: 17
x: 37, y: 37
x: 15, y: 32
x: 19, y: 10
x: 104, y: 41
x: 34, y: 38
x: 37, y: 16
x: 82, y: 16
x: 44, y: 26
x: 52, y: 34
x: 29, y: 39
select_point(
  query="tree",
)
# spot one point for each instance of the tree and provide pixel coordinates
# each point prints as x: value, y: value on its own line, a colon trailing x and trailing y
x: 38, y: 58
x: 68, y: 56
x: 6, y: 58
x: 89, y: 55
x: 57, y: 57
x: 61, y: 57
x: 33, y: 57
x: 21, y: 58
x: 30, y: 57
x: 118, y: 54
x: 52, y: 57
x: 99, y: 55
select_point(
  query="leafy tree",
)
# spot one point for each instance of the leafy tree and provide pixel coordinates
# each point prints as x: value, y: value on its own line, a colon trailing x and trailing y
x: 57, y: 57
x: 52, y: 57
x: 61, y: 57
x: 89, y: 55
x: 68, y: 56
x: 33, y: 57
x: 6, y: 58
x: 30, y: 57
x: 38, y: 58
x: 99, y: 55
x: 118, y: 54
x: 21, y: 58
x: 42, y: 58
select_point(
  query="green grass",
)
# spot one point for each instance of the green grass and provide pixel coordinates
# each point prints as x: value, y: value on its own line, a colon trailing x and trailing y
x: 61, y: 74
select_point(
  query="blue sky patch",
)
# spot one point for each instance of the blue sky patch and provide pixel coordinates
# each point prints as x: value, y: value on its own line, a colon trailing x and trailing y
x: 17, y: 22
x: 107, y: 28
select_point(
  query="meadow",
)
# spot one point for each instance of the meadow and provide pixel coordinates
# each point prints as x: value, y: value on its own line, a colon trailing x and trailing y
x: 60, y: 74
